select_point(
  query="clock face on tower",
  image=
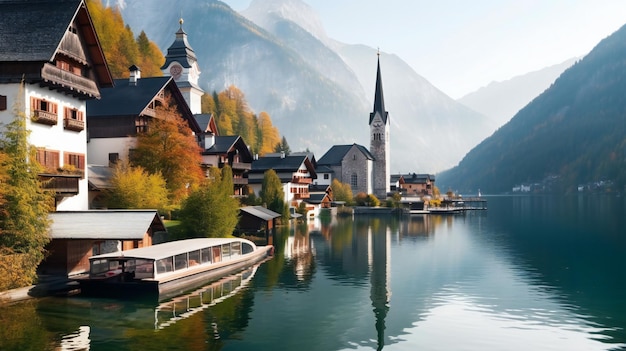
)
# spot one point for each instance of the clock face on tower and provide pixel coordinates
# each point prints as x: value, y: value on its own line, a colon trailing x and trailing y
x: 176, y: 70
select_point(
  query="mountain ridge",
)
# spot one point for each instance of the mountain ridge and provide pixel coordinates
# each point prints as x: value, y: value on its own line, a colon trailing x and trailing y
x: 573, y: 133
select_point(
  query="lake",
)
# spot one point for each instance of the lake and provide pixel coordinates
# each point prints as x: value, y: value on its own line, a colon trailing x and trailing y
x: 529, y: 273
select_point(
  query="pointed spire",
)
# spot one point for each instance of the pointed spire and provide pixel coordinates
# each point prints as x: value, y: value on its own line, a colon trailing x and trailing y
x: 379, y: 100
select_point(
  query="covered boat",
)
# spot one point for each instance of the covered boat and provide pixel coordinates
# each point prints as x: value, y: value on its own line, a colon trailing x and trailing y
x: 168, y: 269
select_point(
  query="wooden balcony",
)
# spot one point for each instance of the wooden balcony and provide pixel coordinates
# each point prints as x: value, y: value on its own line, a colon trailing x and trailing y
x: 45, y: 117
x: 241, y: 166
x: 301, y: 180
x: 240, y: 181
x: 61, y: 184
x: 301, y: 196
x: 73, y: 124
x: 68, y: 81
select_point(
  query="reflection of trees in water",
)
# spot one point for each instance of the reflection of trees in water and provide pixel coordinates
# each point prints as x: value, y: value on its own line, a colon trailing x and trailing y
x: 21, y: 327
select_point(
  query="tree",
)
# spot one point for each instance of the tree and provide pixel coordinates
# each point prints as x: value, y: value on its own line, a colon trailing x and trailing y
x: 133, y: 187
x: 272, y: 194
x: 342, y: 192
x: 283, y: 147
x: 268, y: 134
x: 211, y: 210
x: 169, y: 147
x: 24, y: 222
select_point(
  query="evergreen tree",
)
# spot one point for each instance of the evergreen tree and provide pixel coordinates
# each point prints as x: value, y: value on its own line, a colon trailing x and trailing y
x: 283, y: 147
x: 272, y: 194
x: 24, y: 223
x: 211, y: 210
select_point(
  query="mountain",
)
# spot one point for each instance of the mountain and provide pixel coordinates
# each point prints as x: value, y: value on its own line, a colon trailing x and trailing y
x: 502, y: 100
x: 318, y: 92
x: 573, y: 133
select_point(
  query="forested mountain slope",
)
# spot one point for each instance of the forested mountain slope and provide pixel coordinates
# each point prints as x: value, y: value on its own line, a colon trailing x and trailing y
x: 573, y: 133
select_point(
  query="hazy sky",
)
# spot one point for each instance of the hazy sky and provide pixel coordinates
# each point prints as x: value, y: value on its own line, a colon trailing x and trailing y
x: 459, y: 45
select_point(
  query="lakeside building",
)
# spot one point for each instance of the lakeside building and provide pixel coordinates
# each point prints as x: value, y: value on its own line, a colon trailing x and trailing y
x: 365, y: 170
x: 51, y: 47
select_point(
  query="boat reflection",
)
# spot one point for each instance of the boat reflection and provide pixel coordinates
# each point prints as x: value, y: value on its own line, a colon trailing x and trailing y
x: 184, y: 306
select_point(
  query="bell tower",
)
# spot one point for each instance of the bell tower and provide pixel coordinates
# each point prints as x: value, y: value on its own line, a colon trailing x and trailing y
x: 379, y: 140
x: 182, y: 65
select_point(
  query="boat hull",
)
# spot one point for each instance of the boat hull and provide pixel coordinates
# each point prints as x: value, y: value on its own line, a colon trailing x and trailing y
x: 168, y: 287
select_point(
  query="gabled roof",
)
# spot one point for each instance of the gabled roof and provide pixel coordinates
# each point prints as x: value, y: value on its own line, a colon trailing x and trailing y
x: 104, y: 225
x: 125, y: 99
x: 32, y: 31
x: 260, y: 212
x: 207, y: 123
x: 317, y: 198
x: 308, y: 154
x: 287, y: 163
x: 413, y: 178
x: 336, y: 154
x: 228, y: 143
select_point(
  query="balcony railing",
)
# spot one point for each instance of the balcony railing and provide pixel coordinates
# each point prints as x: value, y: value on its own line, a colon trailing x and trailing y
x: 63, y: 185
x: 301, y: 180
x: 69, y: 81
x: 301, y: 196
x: 241, y: 166
x: 45, y: 117
x: 73, y: 124
x: 240, y: 181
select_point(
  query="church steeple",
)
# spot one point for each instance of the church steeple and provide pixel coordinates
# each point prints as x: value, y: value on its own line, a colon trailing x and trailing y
x: 379, y: 99
x: 182, y: 65
x: 379, y: 140
x: 180, y: 50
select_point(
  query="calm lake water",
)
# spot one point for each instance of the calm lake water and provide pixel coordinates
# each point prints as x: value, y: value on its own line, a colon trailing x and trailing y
x: 530, y: 273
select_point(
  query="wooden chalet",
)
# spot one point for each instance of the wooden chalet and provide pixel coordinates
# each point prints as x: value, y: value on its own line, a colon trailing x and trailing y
x: 296, y: 173
x: 52, y: 48
x: 413, y: 184
x: 125, y: 110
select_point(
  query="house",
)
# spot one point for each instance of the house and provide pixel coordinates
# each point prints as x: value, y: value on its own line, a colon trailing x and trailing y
x: 231, y: 150
x: 52, y: 48
x: 413, y: 184
x: 350, y: 164
x: 124, y: 111
x: 296, y: 173
x: 77, y: 235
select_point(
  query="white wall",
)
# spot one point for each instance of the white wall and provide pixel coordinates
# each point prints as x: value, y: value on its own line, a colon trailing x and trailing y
x: 98, y: 149
x: 53, y: 137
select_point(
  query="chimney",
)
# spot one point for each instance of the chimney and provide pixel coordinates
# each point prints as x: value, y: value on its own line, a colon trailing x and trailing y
x: 135, y: 75
x: 282, y: 154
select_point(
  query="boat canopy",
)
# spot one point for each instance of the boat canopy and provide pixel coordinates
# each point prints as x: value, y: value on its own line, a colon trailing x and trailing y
x: 170, y: 249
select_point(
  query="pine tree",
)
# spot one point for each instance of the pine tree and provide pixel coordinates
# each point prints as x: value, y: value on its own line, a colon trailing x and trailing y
x: 24, y: 223
x: 272, y: 194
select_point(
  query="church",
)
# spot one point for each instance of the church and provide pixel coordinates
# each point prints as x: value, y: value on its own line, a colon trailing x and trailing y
x: 365, y: 170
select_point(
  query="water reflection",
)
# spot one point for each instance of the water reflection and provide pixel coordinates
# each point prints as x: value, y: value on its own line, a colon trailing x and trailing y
x: 510, y: 278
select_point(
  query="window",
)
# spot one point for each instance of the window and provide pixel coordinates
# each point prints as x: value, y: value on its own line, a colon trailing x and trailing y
x: 76, y: 160
x: 49, y: 159
x: 353, y: 180
x: 72, y: 113
x: 326, y: 176
x: 3, y: 102
x: 113, y: 158
x: 141, y: 124
x: 43, y: 111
